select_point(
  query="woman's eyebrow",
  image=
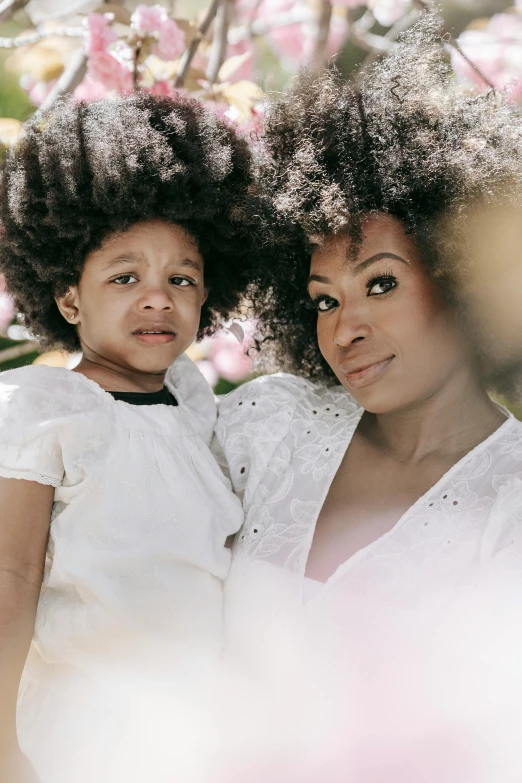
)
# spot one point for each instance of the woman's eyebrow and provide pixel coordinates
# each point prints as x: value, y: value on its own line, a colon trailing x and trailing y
x: 319, y: 279
x: 360, y: 267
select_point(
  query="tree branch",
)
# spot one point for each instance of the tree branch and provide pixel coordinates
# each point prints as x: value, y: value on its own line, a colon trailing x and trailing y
x: 319, y: 54
x: 426, y: 6
x: 8, y: 354
x: 188, y: 54
x: 392, y: 34
x: 33, y: 38
x: 219, y: 43
x: 9, y: 7
x: 68, y: 81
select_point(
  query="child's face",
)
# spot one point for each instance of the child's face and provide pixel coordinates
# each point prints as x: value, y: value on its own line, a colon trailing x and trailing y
x: 139, y: 299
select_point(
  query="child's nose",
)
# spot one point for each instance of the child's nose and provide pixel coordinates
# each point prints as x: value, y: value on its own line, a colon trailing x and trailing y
x: 155, y: 299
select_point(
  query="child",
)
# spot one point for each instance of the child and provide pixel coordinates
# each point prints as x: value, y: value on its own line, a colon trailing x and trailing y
x: 120, y: 237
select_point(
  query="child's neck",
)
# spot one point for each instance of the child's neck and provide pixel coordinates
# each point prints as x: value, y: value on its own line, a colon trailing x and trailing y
x: 113, y: 378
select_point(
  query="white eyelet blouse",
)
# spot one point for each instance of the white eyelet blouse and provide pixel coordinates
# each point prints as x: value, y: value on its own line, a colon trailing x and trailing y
x: 414, y: 643
x: 136, y: 554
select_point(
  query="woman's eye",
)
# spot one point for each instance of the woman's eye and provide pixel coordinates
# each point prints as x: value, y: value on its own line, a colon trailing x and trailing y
x: 325, y: 303
x: 125, y: 279
x: 181, y: 281
x: 381, y: 285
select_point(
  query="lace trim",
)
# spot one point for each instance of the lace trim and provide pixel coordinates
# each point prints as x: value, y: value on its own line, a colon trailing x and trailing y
x: 29, y: 475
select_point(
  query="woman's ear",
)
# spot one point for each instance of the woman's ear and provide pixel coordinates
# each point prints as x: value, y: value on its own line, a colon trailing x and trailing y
x: 68, y: 305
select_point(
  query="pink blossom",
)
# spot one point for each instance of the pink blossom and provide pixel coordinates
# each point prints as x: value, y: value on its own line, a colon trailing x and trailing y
x: 37, y: 91
x: 155, y: 19
x: 245, y: 71
x: 208, y: 371
x: 111, y: 72
x: 90, y: 90
x: 103, y: 67
x: 387, y: 12
x: 228, y: 356
x: 99, y: 34
x: 289, y: 41
x: 6, y: 310
x: 167, y: 89
x: 497, y: 51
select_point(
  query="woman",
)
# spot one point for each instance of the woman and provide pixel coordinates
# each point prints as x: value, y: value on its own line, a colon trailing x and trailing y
x: 374, y: 479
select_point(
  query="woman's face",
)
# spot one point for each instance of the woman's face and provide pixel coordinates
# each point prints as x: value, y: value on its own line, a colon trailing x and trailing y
x: 382, y: 324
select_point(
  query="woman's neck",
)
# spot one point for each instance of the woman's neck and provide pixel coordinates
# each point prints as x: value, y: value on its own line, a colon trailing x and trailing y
x: 445, y: 426
x: 113, y: 378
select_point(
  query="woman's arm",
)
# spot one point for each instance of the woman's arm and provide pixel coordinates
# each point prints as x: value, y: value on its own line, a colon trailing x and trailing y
x: 25, y: 513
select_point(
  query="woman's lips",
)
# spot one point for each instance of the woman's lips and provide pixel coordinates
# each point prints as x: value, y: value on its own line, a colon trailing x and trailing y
x: 368, y: 374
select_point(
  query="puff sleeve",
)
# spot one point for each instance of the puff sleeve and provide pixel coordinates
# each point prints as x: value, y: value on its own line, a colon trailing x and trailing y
x: 30, y: 416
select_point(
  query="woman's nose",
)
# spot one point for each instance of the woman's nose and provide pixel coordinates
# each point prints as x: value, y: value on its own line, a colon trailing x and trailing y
x: 350, y: 328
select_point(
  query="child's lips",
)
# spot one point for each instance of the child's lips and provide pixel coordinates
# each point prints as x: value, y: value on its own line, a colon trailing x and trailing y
x: 154, y: 335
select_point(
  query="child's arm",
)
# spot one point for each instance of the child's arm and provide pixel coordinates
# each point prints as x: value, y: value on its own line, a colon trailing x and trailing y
x: 25, y: 513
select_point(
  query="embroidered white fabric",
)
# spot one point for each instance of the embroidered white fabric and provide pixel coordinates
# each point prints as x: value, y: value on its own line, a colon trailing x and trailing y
x: 282, y: 439
x: 395, y: 645
x: 136, y: 553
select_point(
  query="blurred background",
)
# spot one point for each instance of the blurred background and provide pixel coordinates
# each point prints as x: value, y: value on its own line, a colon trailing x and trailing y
x: 229, y: 54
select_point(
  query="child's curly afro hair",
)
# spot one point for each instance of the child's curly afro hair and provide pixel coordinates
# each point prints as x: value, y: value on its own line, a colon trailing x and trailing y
x: 403, y: 139
x: 85, y: 170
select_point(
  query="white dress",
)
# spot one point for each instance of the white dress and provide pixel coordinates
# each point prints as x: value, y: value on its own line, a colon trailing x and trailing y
x: 283, y: 439
x: 132, y: 592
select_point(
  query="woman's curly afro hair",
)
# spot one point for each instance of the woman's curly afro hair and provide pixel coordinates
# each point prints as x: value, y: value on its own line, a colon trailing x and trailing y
x: 403, y: 139
x: 85, y: 170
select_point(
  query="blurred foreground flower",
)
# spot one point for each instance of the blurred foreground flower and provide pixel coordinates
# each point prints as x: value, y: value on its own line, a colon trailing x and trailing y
x: 495, y: 46
x: 6, y: 306
x: 224, y: 356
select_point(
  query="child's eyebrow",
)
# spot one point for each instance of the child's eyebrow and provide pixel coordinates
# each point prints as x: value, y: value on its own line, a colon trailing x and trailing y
x: 139, y: 258
x: 192, y: 264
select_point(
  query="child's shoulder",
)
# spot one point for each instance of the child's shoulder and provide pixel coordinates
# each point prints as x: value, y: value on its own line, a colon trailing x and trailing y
x: 52, y: 392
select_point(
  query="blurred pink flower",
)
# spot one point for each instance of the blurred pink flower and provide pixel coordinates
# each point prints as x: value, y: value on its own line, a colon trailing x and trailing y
x: 37, y: 91
x: 228, y: 356
x: 167, y: 89
x: 290, y: 41
x: 208, y: 371
x: 497, y: 51
x: 110, y: 69
x: 90, y: 90
x: 387, y: 12
x: 155, y: 19
x: 245, y: 71
x: 99, y: 34
x: 6, y: 310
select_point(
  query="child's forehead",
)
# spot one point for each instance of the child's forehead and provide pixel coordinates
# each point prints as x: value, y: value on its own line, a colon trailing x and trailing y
x: 150, y: 235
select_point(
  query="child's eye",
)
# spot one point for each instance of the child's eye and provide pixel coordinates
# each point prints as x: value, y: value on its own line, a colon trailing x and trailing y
x: 181, y: 281
x: 325, y: 303
x: 381, y: 285
x: 125, y: 279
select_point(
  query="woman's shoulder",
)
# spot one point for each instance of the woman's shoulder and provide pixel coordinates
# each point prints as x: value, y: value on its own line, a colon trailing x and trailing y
x: 286, y: 392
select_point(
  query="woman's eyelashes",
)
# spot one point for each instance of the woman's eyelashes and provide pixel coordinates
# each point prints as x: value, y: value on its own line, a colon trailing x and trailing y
x: 378, y: 285
x: 324, y: 303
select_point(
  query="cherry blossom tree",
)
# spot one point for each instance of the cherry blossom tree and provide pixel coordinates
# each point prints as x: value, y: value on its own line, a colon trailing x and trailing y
x: 225, y: 54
